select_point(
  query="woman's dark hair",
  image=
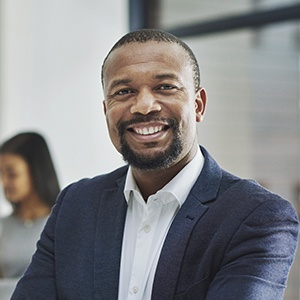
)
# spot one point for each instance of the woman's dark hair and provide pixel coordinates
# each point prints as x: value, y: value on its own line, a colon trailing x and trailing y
x: 33, y: 148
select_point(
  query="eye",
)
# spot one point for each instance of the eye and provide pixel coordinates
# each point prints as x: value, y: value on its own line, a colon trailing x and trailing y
x: 123, y: 92
x: 166, y: 87
x: 10, y: 175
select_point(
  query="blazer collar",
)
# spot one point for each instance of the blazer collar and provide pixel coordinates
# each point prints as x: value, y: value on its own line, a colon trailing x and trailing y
x: 208, y: 183
x: 109, y: 237
x: 169, y: 264
x: 112, y: 214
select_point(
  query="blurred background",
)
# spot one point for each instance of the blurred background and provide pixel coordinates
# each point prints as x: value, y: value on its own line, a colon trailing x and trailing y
x: 249, y: 54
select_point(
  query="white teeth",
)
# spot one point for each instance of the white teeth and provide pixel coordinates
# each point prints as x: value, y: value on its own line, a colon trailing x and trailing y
x: 145, y: 131
x: 148, y: 130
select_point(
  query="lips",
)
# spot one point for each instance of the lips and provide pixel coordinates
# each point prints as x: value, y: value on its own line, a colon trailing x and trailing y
x: 148, y: 130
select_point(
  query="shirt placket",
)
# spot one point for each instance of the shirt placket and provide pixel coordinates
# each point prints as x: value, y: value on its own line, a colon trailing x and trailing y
x: 143, y: 250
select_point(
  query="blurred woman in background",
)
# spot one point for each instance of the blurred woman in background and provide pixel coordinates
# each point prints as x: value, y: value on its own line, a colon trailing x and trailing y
x: 30, y: 184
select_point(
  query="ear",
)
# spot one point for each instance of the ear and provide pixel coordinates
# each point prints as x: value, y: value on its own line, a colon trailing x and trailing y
x: 200, y: 104
x: 104, y: 106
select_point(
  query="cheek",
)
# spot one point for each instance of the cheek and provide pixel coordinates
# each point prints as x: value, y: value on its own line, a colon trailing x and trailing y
x: 23, y: 185
x: 188, y: 117
x: 112, y: 121
x: 188, y: 125
x: 18, y: 189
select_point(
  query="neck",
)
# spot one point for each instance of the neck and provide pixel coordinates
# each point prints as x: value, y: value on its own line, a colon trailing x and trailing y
x: 32, y: 209
x: 151, y: 181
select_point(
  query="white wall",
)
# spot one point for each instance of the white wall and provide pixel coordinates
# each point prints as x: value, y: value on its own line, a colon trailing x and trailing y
x: 51, y: 53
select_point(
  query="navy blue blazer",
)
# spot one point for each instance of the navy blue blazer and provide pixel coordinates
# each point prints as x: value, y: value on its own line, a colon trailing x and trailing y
x: 232, y: 239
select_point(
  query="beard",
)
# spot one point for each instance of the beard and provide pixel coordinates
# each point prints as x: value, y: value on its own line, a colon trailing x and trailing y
x: 156, y: 162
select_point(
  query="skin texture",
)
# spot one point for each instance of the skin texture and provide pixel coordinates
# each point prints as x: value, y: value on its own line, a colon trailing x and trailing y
x: 145, y: 86
x: 18, y: 188
x: 16, y: 178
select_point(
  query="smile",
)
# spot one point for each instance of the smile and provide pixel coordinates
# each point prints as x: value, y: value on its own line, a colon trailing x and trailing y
x: 147, y: 130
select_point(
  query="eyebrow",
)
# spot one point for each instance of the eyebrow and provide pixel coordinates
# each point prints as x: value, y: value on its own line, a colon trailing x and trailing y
x: 119, y: 82
x: 166, y: 76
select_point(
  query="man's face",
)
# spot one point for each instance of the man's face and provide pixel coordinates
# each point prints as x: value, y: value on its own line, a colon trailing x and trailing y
x: 151, y: 105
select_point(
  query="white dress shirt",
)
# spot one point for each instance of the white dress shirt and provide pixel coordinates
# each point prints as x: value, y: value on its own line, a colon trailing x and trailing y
x: 146, y: 227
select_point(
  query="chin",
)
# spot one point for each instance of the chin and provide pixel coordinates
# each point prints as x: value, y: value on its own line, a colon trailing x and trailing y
x: 12, y: 200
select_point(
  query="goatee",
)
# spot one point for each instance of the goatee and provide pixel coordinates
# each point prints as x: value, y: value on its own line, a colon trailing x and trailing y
x: 160, y: 161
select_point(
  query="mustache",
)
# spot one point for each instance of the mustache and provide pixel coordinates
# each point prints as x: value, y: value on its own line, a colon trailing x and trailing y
x: 172, y: 123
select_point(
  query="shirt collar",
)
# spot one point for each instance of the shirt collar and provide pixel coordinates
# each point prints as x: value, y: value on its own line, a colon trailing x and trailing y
x: 179, y: 186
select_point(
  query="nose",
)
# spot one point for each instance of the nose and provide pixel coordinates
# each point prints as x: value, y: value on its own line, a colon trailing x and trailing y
x: 145, y: 102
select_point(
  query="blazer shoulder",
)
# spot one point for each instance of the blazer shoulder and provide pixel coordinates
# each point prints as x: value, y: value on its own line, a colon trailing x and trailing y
x: 91, y: 188
x: 250, y: 191
x: 108, y: 180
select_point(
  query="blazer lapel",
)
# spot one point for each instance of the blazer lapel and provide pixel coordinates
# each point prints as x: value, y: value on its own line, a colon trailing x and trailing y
x: 108, y: 245
x: 168, y: 268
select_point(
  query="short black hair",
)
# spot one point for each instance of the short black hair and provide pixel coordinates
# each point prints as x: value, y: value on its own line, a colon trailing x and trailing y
x: 145, y: 35
x: 33, y: 148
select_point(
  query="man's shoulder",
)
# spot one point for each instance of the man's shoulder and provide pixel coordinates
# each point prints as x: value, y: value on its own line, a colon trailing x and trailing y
x: 98, y: 183
x: 107, y: 178
x: 250, y: 192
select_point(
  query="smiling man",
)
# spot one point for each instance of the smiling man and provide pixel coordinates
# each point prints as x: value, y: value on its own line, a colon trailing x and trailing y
x: 152, y: 106
x: 171, y: 224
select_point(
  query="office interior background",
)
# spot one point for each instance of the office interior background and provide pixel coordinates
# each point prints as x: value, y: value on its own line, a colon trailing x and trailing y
x: 249, y: 54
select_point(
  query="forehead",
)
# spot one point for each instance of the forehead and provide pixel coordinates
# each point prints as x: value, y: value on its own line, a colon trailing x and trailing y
x: 156, y: 46
x: 144, y: 55
x: 12, y: 160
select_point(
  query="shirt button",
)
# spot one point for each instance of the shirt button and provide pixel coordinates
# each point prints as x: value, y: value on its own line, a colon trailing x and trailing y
x: 147, y: 228
x: 135, y: 289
